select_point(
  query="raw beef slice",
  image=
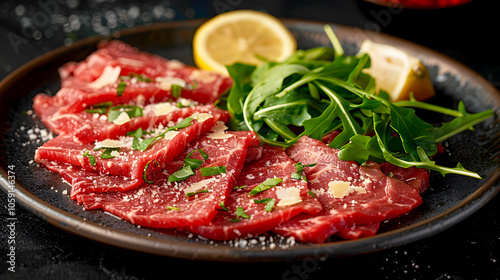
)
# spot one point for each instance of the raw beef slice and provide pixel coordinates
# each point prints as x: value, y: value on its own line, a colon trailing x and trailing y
x: 192, y: 201
x: 129, y: 162
x: 229, y: 224
x: 349, y: 193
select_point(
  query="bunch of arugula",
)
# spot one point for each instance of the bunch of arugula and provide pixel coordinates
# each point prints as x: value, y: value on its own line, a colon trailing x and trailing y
x: 319, y: 90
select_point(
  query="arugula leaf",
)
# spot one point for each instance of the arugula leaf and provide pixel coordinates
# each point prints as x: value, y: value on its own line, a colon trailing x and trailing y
x: 465, y: 122
x: 310, y: 94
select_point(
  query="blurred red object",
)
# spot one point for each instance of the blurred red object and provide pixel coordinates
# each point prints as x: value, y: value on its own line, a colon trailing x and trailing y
x: 420, y: 4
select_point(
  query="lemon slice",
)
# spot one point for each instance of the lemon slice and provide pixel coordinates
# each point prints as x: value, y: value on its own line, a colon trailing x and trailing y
x: 397, y: 72
x: 241, y: 36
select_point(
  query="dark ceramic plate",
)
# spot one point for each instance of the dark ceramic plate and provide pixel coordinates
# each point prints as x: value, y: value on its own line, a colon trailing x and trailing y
x: 450, y: 200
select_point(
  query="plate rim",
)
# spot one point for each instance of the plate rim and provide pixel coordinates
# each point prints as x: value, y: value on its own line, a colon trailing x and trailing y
x: 186, y: 250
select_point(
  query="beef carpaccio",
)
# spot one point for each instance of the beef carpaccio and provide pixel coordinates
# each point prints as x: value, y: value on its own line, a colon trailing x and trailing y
x: 139, y: 136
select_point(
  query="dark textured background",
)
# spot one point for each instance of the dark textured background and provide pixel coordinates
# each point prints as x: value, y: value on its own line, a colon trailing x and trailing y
x: 469, y: 250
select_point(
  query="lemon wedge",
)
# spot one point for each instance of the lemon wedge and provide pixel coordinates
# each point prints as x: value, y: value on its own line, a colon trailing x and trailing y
x: 241, y: 36
x: 397, y: 72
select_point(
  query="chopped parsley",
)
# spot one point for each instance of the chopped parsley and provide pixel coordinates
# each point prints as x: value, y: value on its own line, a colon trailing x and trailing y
x: 120, y: 89
x: 107, y: 153
x: 212, y: 170
x: 267, y: 184
x: 300, y: 169
x: 144, y: 173
x: 144, y: 144
x: 99, y: 108
x: 90, y: 157
x: 269, y: 203
x: 190, y: 164
x: 176, y: 90
x: 131, y: 110
x: 222, y: 206
x: 240, y: 213
x: 196, y: 192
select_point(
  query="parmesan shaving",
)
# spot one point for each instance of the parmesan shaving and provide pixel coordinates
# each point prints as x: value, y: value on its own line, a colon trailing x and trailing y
x: 166, y: 83
x: 109, y: 76
x: 199, y: 185
x: 340, y: 189
x: 129, y: 61
x: 202, y: 75
x: 123, y: 118
x: 201, y: 117
x: 171, y: 134
x: 288, y: 196
x: 108, y: 143
x: 164, y: 108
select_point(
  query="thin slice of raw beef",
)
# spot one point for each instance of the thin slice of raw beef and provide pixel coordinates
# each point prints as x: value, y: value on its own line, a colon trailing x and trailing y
x: 290, y: 198
x: 128, y: 162
x: 89, y: 127
x: 85, y: 181
x: 417, y: 178
x: 349, y: 193
x: 357, y: 231
x: 192, y: 201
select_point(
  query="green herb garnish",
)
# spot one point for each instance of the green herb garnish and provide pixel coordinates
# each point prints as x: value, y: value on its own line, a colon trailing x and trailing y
x: 269, y: 203
x: 222, y: 206
x: 300, y: 169
x: 120, y: 88
x: 190, y: 164
x: 144, y: 173
x: 90, y: 157
x: 107, y: 153
x: 131, y: 110
x: 240, y: 213
x: 267, y: 184
x: 189, y: 194
x: 99, y: 108
x: 144, y: 144
x: 176, y: 90
x: 212, y: 170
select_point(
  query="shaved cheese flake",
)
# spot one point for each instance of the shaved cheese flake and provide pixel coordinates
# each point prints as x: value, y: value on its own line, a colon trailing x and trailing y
x: 219, y: 135
x: 340, y: 189
x: 218, y: 131
x: 123, y: 118
x: 164, y: 108
x: 108, y: 77
x: 129, y: 61
x: 175, y: 64
x: 166, y: 83
x: 201, y: 117
x: 203, y: 75
x: 288, y: 196
x: 171, y: 134
x: 199, y: 185
x: 115, y: 153
x: 108, y: 143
